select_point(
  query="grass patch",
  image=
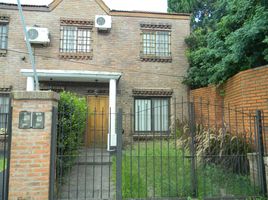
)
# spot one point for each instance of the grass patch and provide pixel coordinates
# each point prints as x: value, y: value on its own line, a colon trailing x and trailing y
x: 148, y: 171
x: 3, y: 164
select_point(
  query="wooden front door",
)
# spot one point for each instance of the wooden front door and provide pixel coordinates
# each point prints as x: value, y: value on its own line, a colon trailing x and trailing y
x: 98, y: 113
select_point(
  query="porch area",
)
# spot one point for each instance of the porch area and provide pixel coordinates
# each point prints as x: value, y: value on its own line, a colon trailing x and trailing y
x: 96, y: 103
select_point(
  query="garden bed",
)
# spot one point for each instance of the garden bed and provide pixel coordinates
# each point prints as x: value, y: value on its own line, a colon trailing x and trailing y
x: 161, y: 169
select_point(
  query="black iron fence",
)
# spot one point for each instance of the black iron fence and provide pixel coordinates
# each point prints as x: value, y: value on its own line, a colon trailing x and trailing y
x: 5, y: 138
x: 199, y: 150
x: 186, y: 149
x: 85, y: 169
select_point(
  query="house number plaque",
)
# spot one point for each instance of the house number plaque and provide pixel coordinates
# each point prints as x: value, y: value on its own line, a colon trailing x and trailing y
x: 25, y: 120
x: 38, y: 120
x: 34, y: 120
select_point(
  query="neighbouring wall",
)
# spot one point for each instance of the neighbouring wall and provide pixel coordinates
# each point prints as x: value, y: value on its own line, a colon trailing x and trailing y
x: 233, y: 104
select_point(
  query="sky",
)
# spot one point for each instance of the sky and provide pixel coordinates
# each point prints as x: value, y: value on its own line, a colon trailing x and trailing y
x: 140, y: 5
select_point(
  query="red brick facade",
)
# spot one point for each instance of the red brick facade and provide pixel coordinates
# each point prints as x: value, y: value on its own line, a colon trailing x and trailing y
x: 116, y: 51
x: 30, y: 148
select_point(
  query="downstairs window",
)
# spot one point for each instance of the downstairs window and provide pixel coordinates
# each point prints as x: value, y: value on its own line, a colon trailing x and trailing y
x: 152, y: 115
x: 4, y: 112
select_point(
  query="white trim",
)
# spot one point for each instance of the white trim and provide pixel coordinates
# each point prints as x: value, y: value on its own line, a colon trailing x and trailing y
x: 112, y: 114
x: 72, y: 75
x: 30, y: 84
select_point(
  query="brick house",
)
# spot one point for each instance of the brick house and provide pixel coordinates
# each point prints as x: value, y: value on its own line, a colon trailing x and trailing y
x: 138, y: 63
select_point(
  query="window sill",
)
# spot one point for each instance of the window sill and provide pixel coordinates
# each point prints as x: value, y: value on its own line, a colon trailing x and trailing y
x: 77, y: 56
x: 150, y: 136
x: 156, y: 59
x: 3, y: 52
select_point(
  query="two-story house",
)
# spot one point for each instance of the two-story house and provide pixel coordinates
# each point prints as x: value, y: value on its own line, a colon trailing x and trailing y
x: 137, y: 64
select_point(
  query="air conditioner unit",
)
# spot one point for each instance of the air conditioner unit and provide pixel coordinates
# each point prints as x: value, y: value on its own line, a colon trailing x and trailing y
x: 103, y: 22
x: 38, y: 35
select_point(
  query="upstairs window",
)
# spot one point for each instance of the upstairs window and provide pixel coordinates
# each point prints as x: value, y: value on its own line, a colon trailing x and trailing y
x: 3, y: 34
x: 75, y: 41
x: 156, y: 43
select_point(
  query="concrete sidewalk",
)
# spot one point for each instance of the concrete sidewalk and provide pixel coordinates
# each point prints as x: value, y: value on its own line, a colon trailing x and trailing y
x: 90, y: 177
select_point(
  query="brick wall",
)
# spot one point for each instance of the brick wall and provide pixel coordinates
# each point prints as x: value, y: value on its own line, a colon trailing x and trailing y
x: 208, y: 105
x: 116, y: 51
x: 236, y: 101
x: 30, y: 148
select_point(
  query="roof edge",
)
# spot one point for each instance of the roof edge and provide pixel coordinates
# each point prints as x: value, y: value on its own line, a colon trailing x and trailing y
x: 40, y: 8
x: 104, y: 7
x: 9, y: 6
x: 181, y: 16
x: 54, y: 4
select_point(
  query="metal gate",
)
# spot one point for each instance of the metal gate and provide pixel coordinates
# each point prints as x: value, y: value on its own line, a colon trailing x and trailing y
x: 5, y: 141
x: 85, y: 169
x: 178, y: 150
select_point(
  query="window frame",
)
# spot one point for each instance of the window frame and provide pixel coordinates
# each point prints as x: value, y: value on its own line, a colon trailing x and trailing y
x: 156, y: 45
x: 4, y: 21
x: 152, y: 98
x: 146, y: 27
x: 77, y: 52
x: 66, y: 42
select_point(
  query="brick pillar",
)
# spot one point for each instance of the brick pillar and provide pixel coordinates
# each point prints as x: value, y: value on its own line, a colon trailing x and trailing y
x: 30, y: 148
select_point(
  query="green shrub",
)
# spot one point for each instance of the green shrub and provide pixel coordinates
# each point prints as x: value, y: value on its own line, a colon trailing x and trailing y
x: 219, y: 148
x: 72, y: 111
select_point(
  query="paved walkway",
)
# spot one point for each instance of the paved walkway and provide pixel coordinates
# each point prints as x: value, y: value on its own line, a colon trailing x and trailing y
x: 90, y: 178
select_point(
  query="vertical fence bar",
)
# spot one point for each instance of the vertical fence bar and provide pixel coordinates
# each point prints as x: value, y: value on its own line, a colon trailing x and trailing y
x: 168, y: 146
x: 154, y: 184
x: 237, y: 156
x: 5, y: 125
x: 69, y: 157
x: 215, y: 114
x: 131, y: 147
x: 161, y: 150
x: 175, y: 143
x: 9, y: 132
x: 252, y: 144
x: 102, y: 146
x: 78, y: 156
x: 119, y: 156
x: 94, y: 153
x: 261, y: 170
x: 264, y: 133
x: 146, y: 152
x: 209, y: 131
x: 223, y: 117
x: 192, y: 149
x: 110, y: 138
x: 139, y: 125
x: 53, y: 153
x: 86, y: 154
x: 60, y: 156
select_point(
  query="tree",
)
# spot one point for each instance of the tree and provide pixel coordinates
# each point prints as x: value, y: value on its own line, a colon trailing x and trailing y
x: 231, y: 37
x: 200, y: 10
